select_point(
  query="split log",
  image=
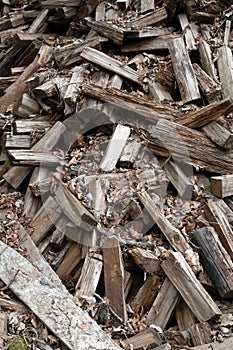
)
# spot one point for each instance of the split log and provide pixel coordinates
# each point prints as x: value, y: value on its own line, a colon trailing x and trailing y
x: 183, y: 278
x: 216, y: 260
x: 17, y: 141
x: 73, y: 89
x: 206, y: 59
x: 114, y: 278
x: 163, y: 305
x: 71, y: 259
x: 146, y: 260
x: 158, y: 92
x: 183, y: 70
x: 115, y: 148
x: 28, y: 157
x: 184, y: 316
x: 110, y: 31
x: 219, y: 135
x: 160, y: 43
x: 188, y: 35
x: 28, y: 126
x: 200, y: 333
x: 225, y: 70
x: 50, y: 303
x: 145, y: 338
x: 109, y: 63
x: 31, y: 203
x: 26, y: 107
x: 39, y: 21
x: 222, y: 186
x: 188, y: 145
x: 219, y: 221
x: 149, y: 19
x: 129, y: 153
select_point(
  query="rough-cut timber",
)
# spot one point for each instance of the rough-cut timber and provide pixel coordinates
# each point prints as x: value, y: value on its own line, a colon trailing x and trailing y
x: 54, y: 307
x: 225, y: 68
x: 194, y: 294
x: 222, y: 186
x: 219, y: 134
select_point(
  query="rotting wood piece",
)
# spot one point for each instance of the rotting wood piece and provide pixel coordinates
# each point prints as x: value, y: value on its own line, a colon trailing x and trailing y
x: 28, y: 157
x: 145, y: 338
x: 216, y: 260
x: 145, y: 259
x: 71, y: 259
x: 225, y: 69
x: 50, y: 303
x: 200, y: 333
x: 183, y: 70
x: 149, y: 19
x: 110, y: 31
x: 219, y: 134
x: 194, y: 294
x: 222, y: 186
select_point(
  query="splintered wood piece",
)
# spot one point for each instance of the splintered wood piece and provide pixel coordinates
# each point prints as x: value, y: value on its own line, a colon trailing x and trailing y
x: 183, y: 70
x: 218, y: 219
x: 200, y: 333
x: 50, y: 303
x: 39, y: 21
x: 28, y: 157
x: 73, y: 89
x: 159, y: 43
x: 15, y: 90
x: 184, y: 316
x: 114, y: 278
x: 225, y: 70
x: 152, y: 110
x: 44, y: 219
x: 158, y: 92
x: 72, y: 207
x: 183, y: 278
x: 163, y: 305
x: 129, y: 153
x: 219, y: 134
x: 147, y: 337
x: 98, y: 188
x: 145, y: 297
x: 179, y: 180
x: 90, y: 276
x: 172, y: 234
x: 115, y: 148
x: 188, y: 35
x: 109, y: 63
x: 206, y: 59
x: 110, y: 31
x: 145, y: 259
x: 70, y: 261
x: 188, y: 146
x: 41, y: 186
x: 28, y: 126
x: 146, y: 33
x: 222, y: 186
x: 26, y: 106
x: 149, y: 19
x: 17, y: 141
x: 211, y: 90
x: 17, y: 174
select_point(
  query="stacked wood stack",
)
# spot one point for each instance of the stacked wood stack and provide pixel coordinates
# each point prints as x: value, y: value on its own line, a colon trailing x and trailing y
x: 116, y: 174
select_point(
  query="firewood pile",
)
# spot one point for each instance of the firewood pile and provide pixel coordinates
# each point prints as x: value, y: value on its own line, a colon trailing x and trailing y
x: 116, y: 175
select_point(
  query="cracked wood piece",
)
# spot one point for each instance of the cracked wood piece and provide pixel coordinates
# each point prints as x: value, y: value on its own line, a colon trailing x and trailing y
x: 90, y: 275
x: 28, y: 126
x: 147, y: 337
x: 216, y: 260
x: 17, y: 141
x: 225, y: 71
x: 187, y: 32
x: 158, y: 92
x: 50, y: 304
x: 114, y: 278
x: 172, y: 234
x: 149, y: 109
x: 219, y: 134
x: 184, y: 316
x: 35, y: 158
x: 98, y: 189
x: 206, y: 59
x: 71, y: 259
x: 115, y: 148
x: 38, y: 22
x: 110, y: 31
x: 47, y: 89
x: 17, y: 174
x: 218, y: 219
x: 15, y: 91
x: 188, y: 145
x: 227, y: 32
x: 222, y: 186
x: 163, y: 305
x: 100, y: 12
x: 101, y: 59
x: 145, y: 297
x: 145, y: 33
x: 183, y: 70
x: 73, y: 208
x: 183, y: 278
x: 129, y: 153
x: 73, y: 89
x: 26, y: 106
x: 146, y: 260
x: 179, y: 180
x: 149, y: 19
x: 200, y: 333
x: 159, y: 43
x: 44, y: 219
x: 211, y: 90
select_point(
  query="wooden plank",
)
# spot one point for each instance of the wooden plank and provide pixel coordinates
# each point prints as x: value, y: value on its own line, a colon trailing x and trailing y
x: 219, y: 221
x: 187, y: 32
x: 17, y: 141
x: 115, y: 148
x: 163, y: 305
x: 216, y: 260
x: 144, y: 338
x: 114, y: 278
x: 110, y: 31
x: 149, y: 19
x: 225, y: 70
x: 145, y: 259
x: 28, y: 126
x: 35, y: 158
x: 71, y: 259
x: 219, y: 134
x: 183, y: 70
x: 158, y: 92
x: 111, y: 64
x: 50, y: 303
x: 206, y: 59
x: 222, y: 186
x: 49, y: 4
x: 184, y: 316
x: 184, y: 279
x: 38, y: 21
x: 200, y: 333
x: 160, y: 43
